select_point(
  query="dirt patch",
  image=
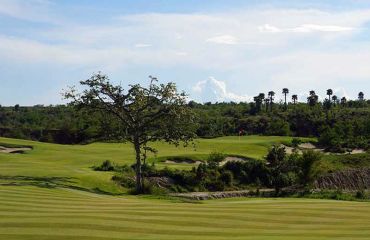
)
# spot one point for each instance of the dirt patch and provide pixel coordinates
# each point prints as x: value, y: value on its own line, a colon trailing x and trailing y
x: 351, y: 179
x: 14, y: 150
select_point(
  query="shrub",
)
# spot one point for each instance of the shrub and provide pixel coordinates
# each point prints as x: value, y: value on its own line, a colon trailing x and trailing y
x: 125, y: 181
x: 227, y: 178
x: 105, y: 166
x: 296, y: 142
x: 361, y: 194
x: 214, y: 159
x: 306, y: 163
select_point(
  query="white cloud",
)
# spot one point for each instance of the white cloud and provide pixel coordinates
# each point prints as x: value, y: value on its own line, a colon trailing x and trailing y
x: 142, y: 45
x: 321, y: 28
x: 180, y: 53
x: 223, y: 39
x: 269, y: 28
x: 31, y: 10
x: 196, y: 42
x: 304, y: 28
x: 216, y: 90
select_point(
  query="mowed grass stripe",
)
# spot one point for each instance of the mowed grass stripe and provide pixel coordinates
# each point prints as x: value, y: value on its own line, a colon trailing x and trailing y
x: 255, y: 223
x: 32, y: 214
x: 205, y: 223
x: 154, y: 233
x: 242, y: 213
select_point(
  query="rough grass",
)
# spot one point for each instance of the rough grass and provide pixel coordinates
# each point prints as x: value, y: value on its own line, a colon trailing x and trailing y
x: 40, y: 213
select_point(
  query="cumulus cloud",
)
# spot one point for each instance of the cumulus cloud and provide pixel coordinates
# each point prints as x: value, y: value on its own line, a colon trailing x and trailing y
x: 216, y: 91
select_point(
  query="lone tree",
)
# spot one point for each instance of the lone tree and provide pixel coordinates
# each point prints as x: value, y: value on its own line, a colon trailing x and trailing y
x: 145, y: 114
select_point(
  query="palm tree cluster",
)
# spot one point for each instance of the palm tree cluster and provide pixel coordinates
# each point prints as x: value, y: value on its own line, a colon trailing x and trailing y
x: 312, y: 99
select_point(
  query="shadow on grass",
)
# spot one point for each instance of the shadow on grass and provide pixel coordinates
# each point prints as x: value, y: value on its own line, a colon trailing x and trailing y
x: 48, y: 182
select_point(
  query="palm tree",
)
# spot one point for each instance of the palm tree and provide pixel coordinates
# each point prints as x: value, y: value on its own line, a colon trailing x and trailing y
x: 361, y: 96
x: 285, y: 92
x: 335, y: 99
x: 295, y: 98
x: 261, y: 95
x: 262, y: 98
x: 343, y: 101
x: 313, y: 98
x: 329, y: 92
x: 258, y: 101
x: 271, y: 95
x: 267, y: 101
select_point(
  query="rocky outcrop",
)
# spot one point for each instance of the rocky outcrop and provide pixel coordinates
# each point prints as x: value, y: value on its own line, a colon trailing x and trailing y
x: 351, y: 179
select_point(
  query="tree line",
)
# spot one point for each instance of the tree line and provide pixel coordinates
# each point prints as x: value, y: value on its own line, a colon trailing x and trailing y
x: 337, y: 124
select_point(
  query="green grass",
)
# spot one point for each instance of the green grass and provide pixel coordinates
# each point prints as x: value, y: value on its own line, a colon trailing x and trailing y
x: 41, y: 213
x: 70, y: 165
x: 40, y: 199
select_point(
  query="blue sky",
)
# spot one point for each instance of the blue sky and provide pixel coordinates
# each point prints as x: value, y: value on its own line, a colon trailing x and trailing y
x: 214, y: 50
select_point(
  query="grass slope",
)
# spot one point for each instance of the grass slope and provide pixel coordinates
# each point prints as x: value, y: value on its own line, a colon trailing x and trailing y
x: 70, y: 166
x: 41, y: 213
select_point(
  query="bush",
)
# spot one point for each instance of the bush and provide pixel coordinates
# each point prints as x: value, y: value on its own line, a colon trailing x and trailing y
x: 105, y: 166
x: 227, y: 178
x: 125, y: 181
x: 215, y: 158
x: 361, y: 194
x: 296, y: 142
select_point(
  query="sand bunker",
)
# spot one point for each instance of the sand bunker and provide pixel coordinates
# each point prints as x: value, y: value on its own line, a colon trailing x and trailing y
x: 14, y: 150
x: 232, y: 159
x: 223, y: 162
x: 310, y: 146
x: 182, y: 162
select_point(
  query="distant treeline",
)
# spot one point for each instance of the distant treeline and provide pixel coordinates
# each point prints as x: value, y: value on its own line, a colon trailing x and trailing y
x: 337, y: 123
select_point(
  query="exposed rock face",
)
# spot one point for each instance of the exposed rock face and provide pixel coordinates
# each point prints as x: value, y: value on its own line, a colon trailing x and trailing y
x: 351, y: 179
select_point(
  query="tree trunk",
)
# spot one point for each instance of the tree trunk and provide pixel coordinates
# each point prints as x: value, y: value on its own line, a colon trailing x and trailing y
x: 139, y: 182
